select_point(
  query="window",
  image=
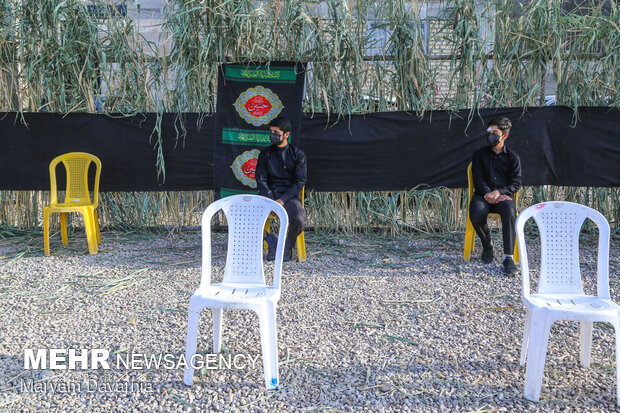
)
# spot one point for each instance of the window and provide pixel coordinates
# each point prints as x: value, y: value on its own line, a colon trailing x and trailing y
x: 102, y: 12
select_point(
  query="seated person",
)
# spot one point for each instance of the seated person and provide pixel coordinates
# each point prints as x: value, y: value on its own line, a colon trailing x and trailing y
x: 496, y: 172
x: 280, y: 175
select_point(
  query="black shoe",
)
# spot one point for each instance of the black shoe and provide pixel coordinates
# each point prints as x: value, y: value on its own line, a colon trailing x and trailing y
x: 288, y: 254
x: 510, y: 269
x: 271, y: 253
x: 487, y: 254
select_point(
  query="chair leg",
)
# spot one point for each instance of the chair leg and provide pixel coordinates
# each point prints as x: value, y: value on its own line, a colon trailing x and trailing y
x: 616, y: 325
x: 301, y: 247
x: 269, y: 344
x: 90, y: 231
x: 217, y: 329
x: 190, y: 344
x: 46, y: 231
x: 526, y: 336
x: 516, y: 256
x: 470, y: 240
x: 63, y: 228
x: 536, y: 354
x: 585, y: 343
x: 93, y: 228
x: 96, y: 223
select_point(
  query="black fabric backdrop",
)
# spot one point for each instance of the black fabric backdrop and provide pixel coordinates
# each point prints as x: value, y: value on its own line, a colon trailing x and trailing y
x: 382, y: 151
x: 395, y: 150
x: 124, y: 145
x: 237, y: 141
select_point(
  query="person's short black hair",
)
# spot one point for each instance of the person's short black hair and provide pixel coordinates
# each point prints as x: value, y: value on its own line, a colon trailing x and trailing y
x: 281, y: 123
x: 501, y: 122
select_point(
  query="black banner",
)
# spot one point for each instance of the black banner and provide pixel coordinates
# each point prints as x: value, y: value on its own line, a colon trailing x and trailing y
x: 125, y: 145
x: 396, y: 150
x: 381, y: 151
x: 248, y: 98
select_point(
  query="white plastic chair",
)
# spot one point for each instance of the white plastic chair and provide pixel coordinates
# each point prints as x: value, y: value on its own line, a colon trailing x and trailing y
x: 560, y: 294
x: 243, y: 285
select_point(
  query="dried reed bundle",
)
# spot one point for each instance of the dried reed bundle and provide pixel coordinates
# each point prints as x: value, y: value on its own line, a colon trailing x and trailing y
x: 74, y: 56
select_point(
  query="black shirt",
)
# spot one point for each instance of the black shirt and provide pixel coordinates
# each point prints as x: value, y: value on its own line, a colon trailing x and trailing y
x: 493, y: 171
x: 281, y: 172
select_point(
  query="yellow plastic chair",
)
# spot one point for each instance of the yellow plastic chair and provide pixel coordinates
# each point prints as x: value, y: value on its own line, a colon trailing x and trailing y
x: 301, y: 239
x: 470, y: 233
x: 77, y: 198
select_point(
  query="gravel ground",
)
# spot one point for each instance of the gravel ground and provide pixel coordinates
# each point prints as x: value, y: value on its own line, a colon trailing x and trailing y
x: 368, y: 323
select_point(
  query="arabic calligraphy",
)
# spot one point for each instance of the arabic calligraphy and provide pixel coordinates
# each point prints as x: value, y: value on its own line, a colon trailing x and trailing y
x: 252, y: 137
x: 258, y: 105
x: 273, y: 74
x: 244, y: 167
x: 249, y: 168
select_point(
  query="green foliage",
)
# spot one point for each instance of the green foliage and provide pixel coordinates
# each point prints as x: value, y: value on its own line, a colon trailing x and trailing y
x: 64, y: 56
x: 57, y: 55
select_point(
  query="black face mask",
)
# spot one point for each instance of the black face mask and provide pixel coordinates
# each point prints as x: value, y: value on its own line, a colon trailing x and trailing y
x: 275, y: 138
x: 493, y: 139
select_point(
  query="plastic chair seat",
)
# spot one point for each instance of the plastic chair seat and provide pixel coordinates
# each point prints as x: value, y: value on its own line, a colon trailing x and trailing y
x: 70, y: 206
x: 494, y: 216
x: 576, y: 305
x: 240, y: 295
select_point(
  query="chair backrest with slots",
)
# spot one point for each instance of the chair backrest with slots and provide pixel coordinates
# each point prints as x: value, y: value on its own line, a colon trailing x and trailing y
x: 76, y: 166
x: 246, y: 216
x: 559, y: 224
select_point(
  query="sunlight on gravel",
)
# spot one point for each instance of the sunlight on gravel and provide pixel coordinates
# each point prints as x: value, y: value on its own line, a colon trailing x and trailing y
x: 366, y: 323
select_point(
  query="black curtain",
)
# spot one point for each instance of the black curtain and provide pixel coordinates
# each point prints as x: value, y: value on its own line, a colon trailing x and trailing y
x: 381, y: 151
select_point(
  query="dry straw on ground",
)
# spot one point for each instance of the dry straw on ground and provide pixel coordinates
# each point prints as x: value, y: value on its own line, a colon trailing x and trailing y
x: 366, y: 324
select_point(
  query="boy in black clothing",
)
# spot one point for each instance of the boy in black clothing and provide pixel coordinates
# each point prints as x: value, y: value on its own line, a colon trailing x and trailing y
x: 280, y: 175
x: 496, y: 172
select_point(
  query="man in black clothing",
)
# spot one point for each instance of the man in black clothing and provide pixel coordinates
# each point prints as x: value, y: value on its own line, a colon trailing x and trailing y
x: 496, y: 172
x: 280, y: 175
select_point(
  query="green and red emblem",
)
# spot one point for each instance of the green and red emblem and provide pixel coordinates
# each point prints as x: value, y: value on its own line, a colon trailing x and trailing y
x: 258, y: 106
x: 244, y: 167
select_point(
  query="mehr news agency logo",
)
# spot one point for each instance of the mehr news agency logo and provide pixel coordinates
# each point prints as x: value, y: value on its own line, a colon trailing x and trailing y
x: 100, y: 359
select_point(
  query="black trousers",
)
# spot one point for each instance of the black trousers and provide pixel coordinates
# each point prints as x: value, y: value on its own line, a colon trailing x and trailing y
x: 296, y: 222
x: 479, y: 208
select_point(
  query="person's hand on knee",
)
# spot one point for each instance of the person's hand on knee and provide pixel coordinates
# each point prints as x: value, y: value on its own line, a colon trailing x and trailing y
x: 502, y: 198
x: 491, y: 197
